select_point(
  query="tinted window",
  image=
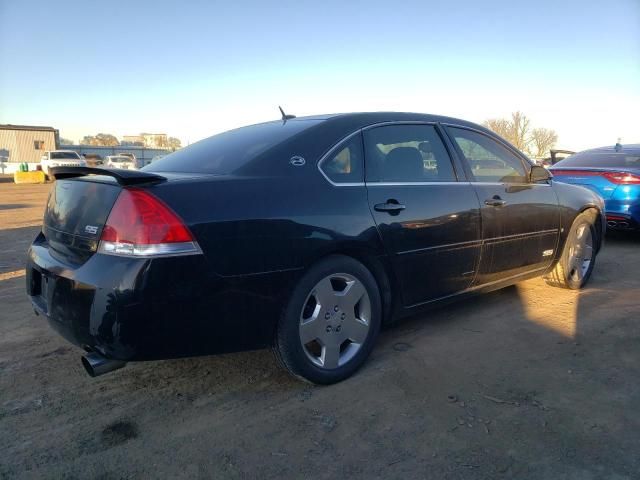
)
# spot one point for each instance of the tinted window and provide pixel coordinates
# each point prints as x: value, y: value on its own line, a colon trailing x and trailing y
x: 344, y: 165
x: 229, y: 151
x: 406, y: 153
x: 63, y: 155
x: 489, y: 160
x: 601, y: 159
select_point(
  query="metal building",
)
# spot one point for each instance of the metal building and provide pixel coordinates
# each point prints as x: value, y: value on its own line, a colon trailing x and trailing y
x: 23, y: 143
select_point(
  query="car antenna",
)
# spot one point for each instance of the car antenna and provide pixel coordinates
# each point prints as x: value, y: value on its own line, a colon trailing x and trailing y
x: 285, y: 117
x: 618, y: 147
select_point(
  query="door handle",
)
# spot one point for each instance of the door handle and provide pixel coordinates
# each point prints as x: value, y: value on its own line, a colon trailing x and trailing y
x: 495, y: 201
x: 392, y: 207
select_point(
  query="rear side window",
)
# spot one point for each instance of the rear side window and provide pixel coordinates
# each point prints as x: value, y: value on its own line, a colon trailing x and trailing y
x: 230, y: 151
x: 601, y: 159
x: 345, y: 163
x: 489, y: 161
x: 406, y: 153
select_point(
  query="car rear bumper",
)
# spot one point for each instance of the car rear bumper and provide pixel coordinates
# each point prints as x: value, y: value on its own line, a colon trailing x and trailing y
x: 142, y: 309
x: 622, y: 215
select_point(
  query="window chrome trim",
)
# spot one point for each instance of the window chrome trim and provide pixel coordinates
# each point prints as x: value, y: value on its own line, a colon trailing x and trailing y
x: 494, y: 136
x: 333, y: 150
x: 511, y: 183
x: 360, y: 131
x: 400, y: 184
x: 398, y: 122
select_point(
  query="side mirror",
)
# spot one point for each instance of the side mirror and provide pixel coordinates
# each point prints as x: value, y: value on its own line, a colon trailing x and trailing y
x: 539, y: 174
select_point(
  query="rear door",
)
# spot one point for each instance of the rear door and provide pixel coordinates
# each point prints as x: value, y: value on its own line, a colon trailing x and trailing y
x: 428, y: 220
x: 520, y: 219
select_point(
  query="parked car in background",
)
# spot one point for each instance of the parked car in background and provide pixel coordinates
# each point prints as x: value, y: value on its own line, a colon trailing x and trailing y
x: 61, y: 158
x: 281, y: 235
x: 611, y: 172
x: 121, y: 161
x: 556, y: 155
x: 93, y: 159
x: 133, y: 158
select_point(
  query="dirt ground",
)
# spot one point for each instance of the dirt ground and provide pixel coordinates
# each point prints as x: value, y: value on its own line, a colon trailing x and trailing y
x: 528, y: 382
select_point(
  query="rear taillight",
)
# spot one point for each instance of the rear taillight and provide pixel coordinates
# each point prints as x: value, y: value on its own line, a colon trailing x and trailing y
x: 622, y: 178
x: 619, y: 178
x: 140, y: 224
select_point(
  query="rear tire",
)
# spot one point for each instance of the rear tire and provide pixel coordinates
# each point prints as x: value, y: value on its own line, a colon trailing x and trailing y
x: 578, y: 258
x: 331, y: 322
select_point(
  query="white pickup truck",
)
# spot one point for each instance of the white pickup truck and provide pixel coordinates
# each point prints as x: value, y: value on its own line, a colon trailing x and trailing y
x: 61, y: 158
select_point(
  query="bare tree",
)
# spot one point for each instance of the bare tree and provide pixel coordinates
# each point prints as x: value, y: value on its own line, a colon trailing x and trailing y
x: 519, y: 135
x: 543, y: 140
x: 518, y: 132
x: 501, y: 126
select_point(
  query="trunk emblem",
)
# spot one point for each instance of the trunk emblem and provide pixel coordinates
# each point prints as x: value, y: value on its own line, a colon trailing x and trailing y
x: 91, y: 229
x: 297, y: 161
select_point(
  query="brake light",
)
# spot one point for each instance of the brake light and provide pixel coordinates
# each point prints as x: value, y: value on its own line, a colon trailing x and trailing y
x: 140, y: 224
x: 619, y: 178
x: 622, y: 178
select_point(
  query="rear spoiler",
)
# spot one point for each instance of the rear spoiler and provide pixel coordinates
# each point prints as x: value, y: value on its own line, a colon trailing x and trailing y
x: 123, y: 177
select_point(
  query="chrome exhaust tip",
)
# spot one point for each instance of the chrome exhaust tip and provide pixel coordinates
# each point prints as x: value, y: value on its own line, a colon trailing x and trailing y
x: 612, y: 223
x: 623, y: 224
x: 96, y: 365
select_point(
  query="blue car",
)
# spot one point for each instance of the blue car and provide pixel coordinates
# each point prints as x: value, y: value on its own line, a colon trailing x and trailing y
x: 613, y: 173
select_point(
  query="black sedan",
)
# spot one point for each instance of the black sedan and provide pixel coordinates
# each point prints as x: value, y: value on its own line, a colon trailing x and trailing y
x: 303, y: 234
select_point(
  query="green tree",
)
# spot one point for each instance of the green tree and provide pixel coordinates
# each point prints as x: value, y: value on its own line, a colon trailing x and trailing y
x: 101, y: 139
x: 174, y: 143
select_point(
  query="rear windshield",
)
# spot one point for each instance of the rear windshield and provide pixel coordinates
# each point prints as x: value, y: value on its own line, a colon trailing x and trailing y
x: 601, y: 159
x: 63, y: 155
x: 228, y: 152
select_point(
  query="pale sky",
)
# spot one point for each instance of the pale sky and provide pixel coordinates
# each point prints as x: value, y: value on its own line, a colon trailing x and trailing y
x: 193, y: 69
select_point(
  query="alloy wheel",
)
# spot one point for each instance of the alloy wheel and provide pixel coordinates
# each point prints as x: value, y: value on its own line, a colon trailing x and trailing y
x: 335, y: 320
x: 580, y: 253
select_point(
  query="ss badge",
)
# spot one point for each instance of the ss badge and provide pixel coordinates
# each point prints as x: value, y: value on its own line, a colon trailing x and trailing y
x: 91, y: 229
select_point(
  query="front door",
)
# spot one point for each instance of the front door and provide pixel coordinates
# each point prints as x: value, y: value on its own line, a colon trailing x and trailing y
x: 520, y: 219
x: 428, y: 220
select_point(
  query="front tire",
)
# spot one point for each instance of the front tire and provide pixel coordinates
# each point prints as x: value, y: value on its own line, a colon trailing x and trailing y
x: 578, y: 258
x: 331, y: 321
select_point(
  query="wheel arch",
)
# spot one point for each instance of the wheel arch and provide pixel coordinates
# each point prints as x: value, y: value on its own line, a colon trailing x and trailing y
x: 379, y: 267
x: 600, y: 223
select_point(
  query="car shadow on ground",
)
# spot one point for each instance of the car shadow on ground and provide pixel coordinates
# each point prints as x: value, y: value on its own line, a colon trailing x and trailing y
x: 551, y: 314
x: 529, y: 381
x: 13, y: 206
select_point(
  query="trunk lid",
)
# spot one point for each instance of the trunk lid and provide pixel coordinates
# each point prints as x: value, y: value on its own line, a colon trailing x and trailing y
x: 76, y: 212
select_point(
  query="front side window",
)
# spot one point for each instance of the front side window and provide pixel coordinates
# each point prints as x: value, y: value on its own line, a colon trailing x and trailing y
x: 344, y: 164
x: 406, y: 154
x: 489, y: 161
